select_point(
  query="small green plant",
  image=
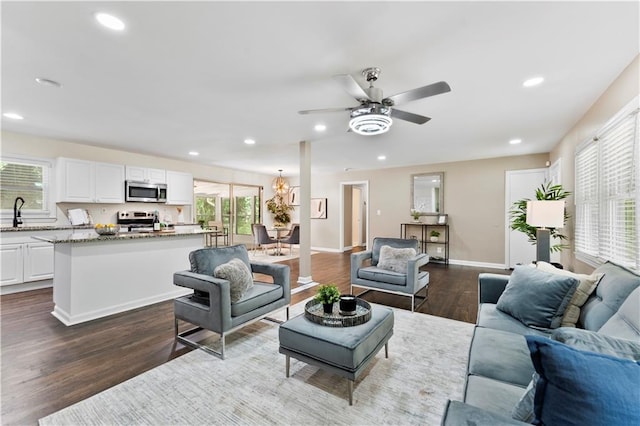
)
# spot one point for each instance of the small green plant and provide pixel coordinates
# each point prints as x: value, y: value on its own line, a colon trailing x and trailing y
x: 327, y: 293
x: 434, y: 234
x: 415, y: 214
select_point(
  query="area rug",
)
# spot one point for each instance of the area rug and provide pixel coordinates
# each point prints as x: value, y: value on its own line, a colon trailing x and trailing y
x: 260, y: 256
x: 426, y: 366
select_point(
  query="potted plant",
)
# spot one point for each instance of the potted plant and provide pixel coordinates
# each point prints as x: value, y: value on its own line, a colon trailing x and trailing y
x: 434, y: 236
x: 518, y: 214
x: 278, y: 206
x: 415, y: 214
x: 327, y: 294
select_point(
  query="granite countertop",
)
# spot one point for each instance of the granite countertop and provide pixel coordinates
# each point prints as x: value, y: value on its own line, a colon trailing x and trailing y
x: 43, y: 228
x: 92, y: 236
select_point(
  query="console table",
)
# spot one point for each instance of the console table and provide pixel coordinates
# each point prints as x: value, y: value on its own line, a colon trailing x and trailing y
x: 438, y: 251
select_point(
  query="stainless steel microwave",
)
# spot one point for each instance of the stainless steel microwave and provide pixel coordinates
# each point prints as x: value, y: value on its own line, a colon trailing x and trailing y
x: 145, y: 192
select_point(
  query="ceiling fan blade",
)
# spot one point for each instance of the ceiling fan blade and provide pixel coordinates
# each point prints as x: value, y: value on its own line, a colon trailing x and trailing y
x: 409, y: 116
x: 320, y: 111
x: 351, y: 87
x: 419, y: 93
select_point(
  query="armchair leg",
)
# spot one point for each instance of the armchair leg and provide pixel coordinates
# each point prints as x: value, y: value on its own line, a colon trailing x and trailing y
x: 182, y: 338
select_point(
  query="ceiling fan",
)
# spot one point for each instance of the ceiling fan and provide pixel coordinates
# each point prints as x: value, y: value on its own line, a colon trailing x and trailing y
x: 374, y: 114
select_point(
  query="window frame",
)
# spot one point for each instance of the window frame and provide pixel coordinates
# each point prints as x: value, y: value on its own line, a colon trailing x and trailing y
x: 598, y: 203
x: 47, y: 215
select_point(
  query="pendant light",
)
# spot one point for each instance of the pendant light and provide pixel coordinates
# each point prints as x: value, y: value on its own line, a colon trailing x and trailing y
x: 280, y: 184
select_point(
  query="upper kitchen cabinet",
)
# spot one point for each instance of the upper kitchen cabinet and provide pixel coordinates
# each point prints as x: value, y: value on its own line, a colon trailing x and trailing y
x: 143, y: 174
x: 81, y: 181
x: 179, y: 188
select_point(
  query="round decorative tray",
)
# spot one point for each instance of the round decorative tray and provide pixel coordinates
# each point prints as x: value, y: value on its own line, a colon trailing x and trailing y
x: 314, y: 311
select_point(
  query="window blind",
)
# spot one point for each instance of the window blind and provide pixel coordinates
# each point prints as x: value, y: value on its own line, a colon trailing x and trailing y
x: 26, y: 179
x: 606, y: 193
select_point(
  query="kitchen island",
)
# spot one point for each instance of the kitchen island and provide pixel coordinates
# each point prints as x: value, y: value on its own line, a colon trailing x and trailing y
x: 96, y: 276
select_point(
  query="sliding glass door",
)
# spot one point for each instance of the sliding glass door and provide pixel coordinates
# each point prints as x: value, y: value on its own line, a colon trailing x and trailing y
x: 235, y: 206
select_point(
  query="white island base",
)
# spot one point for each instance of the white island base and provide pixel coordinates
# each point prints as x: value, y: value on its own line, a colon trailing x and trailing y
x: 100, y: 278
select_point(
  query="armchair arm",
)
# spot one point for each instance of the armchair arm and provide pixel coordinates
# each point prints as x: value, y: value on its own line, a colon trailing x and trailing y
x: 413, y: 268
x: 357, y: 262
x: 218, y: 289
x: 491, y: 286
x: 280, y: 273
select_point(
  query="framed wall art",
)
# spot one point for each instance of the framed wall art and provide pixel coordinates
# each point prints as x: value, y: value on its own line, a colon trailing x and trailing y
x: 318, y: 208
x: 294, y: 196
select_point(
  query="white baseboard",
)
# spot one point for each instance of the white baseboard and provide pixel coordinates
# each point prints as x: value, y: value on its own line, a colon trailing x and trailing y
x: 17, y: 288
x: 478, y: 264
x: 330, y: 250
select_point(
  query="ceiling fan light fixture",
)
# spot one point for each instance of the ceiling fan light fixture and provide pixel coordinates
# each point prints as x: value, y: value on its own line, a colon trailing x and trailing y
x: 371, y: 124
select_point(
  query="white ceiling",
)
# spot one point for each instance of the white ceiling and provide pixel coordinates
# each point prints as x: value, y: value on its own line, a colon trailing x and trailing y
x: 204, y: 76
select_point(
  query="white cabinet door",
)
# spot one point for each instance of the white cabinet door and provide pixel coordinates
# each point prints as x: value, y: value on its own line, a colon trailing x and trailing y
x: 109, y: 179
x: 136, y: 174
x: 38, y: 261
x: 179, y: 188
x: 12, y: 271
x: 76, y: 182
x: 142, y: 174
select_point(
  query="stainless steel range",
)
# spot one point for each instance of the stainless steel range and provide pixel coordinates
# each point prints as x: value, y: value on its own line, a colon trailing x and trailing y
x: 135, y: 221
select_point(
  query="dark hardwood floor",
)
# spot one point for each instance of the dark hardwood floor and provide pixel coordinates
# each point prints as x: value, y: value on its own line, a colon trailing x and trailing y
x: 47, y: 366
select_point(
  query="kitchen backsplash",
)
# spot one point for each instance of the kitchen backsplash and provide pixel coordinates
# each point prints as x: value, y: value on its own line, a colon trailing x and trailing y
x: 107, y: 213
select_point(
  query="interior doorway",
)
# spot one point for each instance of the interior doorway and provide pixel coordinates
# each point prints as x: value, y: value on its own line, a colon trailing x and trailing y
x: 354, y: 212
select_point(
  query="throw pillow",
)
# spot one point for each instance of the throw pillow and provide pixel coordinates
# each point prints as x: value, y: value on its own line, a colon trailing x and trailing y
x: 583, y: 388
x: 584, y: 340
x: 395, y: 259
x: 587, y: 285
x: 239, y: 276
x: 537, y: 298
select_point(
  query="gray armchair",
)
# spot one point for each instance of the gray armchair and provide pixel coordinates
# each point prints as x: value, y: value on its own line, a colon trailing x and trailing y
x: 366, y: 273
x: 210, y: 306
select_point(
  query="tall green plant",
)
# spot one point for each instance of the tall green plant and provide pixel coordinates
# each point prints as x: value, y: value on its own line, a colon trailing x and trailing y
x: 518, y: 214
x: 278, y: 206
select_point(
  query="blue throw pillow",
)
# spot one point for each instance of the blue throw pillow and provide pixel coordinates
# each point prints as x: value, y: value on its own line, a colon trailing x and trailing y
x: 583, y: 388
x: 537, y: 298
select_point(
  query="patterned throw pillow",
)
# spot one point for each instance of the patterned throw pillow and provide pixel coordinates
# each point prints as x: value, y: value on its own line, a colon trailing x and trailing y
x: 395, y: 259
x: 239, y: 276
x: 587, y: 285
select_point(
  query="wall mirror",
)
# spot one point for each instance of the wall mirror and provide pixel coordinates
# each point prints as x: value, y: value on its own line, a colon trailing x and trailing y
x: 427, y: 193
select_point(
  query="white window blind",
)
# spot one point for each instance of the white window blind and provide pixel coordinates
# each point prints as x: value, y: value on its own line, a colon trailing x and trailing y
x: 606, y: 193
x: 30, y: 179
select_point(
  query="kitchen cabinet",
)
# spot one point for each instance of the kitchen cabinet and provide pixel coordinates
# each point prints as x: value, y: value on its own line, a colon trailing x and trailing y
x: 144, y: 174
x: 81, y: 181
x: 26, y: 262
x: 179, y: 188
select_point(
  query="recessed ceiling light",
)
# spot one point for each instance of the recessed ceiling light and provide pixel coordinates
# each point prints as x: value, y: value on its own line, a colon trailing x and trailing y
x: 320, y: 127
x: 249, y: 141
x: 194, y: 153
x: 110, y: 21
x: 515, y: 141
x: 13, y: 116
x: 382, y: 157
x: 47, y: 82
x: 534, y: 81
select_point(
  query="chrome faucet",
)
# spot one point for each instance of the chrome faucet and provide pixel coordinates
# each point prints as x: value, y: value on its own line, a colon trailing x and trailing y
x: 17, y: 216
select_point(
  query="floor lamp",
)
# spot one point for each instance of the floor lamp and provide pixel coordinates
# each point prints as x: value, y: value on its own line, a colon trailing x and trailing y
x: 544, y: 214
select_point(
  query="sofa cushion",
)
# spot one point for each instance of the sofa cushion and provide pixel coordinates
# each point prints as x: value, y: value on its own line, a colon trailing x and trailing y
x: 378, y: 242
x: 239, y: 276
x: 625, y: 323
x: 612, y: 290
x: 500, y: 355
x: 579, y: 388
x: 587, y: 284
x: 490, y: 317
x: 493, y: 395
x: 537, y: 298
x: 374, y: 273
x: 261, y: 294
x: 458, y: 413
x: 395, y: 259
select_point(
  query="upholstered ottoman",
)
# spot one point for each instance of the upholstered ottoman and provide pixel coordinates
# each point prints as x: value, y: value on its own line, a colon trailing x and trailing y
x: 345, y: 351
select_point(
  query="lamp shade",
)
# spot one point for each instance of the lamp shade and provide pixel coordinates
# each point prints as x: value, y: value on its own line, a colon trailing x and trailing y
x: 545, y: 213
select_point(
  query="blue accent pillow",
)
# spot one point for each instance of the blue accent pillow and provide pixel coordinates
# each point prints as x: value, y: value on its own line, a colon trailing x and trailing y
x: 537, y: 298
x: 583, y: 388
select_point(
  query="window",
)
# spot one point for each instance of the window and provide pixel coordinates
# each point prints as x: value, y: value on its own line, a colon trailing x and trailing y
x: 30, y: 179
x: 607, y: 194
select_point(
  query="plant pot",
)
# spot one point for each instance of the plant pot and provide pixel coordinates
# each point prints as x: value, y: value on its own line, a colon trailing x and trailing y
x: 434, y: 239
x: 348, y: 304
x: 328, y: 308
x: 417, y: 220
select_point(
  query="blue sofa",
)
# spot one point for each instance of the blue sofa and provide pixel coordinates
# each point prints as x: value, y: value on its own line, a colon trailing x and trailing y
x: 500, y: 364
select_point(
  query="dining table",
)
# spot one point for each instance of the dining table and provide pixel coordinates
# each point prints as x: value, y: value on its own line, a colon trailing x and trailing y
x: 279, y: 237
